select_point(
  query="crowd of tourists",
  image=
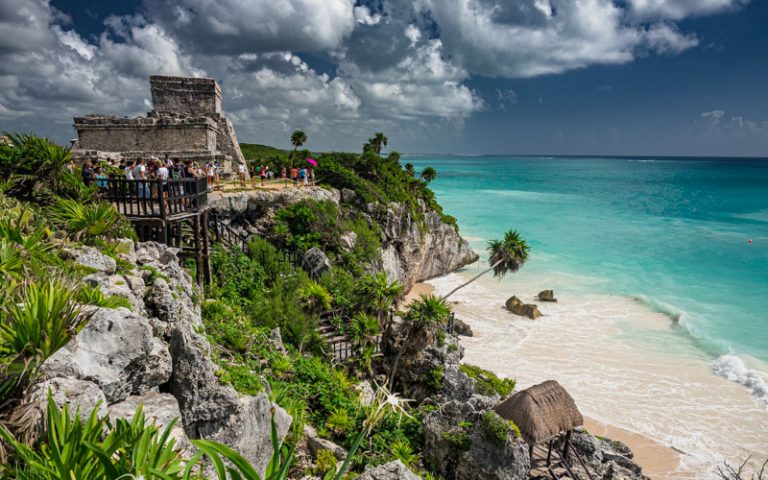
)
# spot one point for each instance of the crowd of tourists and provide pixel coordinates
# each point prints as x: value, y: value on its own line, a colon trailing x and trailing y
x: 148, y: 169
x: 152, y: 169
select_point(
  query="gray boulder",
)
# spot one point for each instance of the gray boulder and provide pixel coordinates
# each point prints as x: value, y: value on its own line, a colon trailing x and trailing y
x: 516, y: 306
x: 116, y: 285
x: 248, y: 429
x: 117, y: 352
x: 459, y: 446
x: 389, y: 471
x: 316, y: 261
x: 159, y: 409
x: 92, y: 258
x: 79, y: 395
x: 348, y: 240
x: 462, y: 328
x: 315, y: 444
x: 546, y: 296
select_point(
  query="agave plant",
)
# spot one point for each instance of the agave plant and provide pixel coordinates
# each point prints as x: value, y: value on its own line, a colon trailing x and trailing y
x: 39, y: 319
x: 34, y: 164
x: 85, y: 220
x: 93, y: 448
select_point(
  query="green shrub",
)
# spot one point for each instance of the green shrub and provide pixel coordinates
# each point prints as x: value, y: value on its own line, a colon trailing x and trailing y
x: 402, y: 450
x: 88, y: 295
x: 339, y: 421
x: 487, y: 382
x: 514, y: 428
x: 436, y: 376
x: 324, y: 463
x: 86, y: 221
x: 495, y: 427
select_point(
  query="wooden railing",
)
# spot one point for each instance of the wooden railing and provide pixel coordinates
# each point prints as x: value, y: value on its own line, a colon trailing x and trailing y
x: 157, y: 199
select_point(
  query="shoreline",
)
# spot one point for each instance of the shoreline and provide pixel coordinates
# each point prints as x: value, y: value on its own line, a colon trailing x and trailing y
x: 659, y: 462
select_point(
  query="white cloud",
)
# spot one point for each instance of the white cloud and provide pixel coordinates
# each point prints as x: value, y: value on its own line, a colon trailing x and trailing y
x: 716, y: 126
x: 529, y: 38
x: 363, y: 15
x: 237, y: 26
x: 680, y: 9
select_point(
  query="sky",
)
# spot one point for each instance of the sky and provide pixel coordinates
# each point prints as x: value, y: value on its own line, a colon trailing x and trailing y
x: 543, y: 77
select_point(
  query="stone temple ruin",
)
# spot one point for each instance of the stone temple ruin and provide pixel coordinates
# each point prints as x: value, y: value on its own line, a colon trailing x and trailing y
x: 186, y: 123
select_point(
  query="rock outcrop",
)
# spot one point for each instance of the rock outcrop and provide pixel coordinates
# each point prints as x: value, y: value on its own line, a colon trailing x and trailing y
x: 546, y: 296
x: 153, y: 355
x: 459, y: 446
x: 389, y: 471
x: 412, y: 250
x: 516, y: 306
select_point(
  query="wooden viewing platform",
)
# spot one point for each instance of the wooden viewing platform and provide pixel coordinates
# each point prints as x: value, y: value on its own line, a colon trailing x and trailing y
x: 174, y: 212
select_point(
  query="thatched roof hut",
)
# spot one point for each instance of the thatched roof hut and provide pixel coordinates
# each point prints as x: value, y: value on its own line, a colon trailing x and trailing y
x: 541, y: 412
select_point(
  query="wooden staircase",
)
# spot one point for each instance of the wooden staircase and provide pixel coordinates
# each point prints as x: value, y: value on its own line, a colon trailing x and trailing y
x: 549, y: 462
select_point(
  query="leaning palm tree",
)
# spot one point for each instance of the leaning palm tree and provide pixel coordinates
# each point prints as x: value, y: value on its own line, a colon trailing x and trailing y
x: 506, y: 256
x: 424, y: 313
x: 410, y: 170
x: 298, y: 138
x: 428, y: 174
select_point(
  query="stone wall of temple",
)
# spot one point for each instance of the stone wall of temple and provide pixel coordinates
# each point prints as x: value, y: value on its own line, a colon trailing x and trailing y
x: 150, y: 134
x: 186, y: 123
x: 185, y: 96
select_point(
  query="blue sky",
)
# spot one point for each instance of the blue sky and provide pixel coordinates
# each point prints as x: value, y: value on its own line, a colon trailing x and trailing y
x: 642, y: 77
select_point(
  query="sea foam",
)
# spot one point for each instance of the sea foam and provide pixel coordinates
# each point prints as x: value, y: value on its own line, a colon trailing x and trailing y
x: 733, y: 368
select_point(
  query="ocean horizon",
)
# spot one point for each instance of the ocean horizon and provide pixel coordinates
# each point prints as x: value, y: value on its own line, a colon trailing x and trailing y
x: 662, y: 269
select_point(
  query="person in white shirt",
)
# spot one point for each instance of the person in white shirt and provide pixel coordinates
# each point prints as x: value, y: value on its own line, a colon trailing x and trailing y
x: 241, y: 174
x: 129, y: 170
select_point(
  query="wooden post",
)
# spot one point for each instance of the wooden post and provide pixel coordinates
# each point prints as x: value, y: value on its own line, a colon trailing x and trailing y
x: 198, y: 250
x: 206, y: 250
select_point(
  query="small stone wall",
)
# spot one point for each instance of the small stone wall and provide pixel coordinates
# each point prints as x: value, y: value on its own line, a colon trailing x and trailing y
x: 186, y: 96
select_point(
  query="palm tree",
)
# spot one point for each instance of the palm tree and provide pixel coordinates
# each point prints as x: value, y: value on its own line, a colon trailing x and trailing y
x: 298, y: 138
x: 506, y: 256
x: 428, y: 174
x: 410, y: 170
x: 378, y: 292
x: 315, y: 297
x: 377, y: 142
x: 424, y: 313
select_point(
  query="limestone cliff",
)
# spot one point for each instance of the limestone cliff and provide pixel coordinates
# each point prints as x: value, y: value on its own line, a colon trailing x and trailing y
x: 154, y: 355
x: 413, y: 249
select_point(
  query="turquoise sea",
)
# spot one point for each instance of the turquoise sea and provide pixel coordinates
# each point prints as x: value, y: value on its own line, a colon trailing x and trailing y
x: 672, y: 232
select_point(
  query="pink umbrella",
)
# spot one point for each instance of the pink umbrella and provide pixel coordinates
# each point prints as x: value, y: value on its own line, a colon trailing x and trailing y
x: 312, y: 161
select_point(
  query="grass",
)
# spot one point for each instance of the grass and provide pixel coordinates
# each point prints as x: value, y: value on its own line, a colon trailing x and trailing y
x: 487, y: 382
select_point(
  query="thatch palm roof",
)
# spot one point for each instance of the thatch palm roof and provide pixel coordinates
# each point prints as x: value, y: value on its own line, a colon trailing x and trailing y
x: 541, y: 412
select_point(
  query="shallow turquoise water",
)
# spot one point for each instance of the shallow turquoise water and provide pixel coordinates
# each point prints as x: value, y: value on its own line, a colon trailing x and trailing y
x: 673, y: 232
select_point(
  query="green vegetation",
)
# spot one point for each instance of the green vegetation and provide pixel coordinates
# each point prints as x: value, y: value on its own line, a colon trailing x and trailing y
x: 459, y: 436
x: 93, y: 448
x: 425, y: 314
x: 487, y: 382
x: 496, y: 427
x: 429, y: 174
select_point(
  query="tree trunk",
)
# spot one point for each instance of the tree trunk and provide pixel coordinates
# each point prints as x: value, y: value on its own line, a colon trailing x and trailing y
x: 445, y: 297
x: 397, y: 359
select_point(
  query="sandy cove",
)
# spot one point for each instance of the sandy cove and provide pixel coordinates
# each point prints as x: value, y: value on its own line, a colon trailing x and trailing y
x: 659, y: 462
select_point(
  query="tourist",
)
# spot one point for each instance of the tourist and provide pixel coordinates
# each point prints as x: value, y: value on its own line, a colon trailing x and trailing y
x: 217, y: 172
x: 71, y: 167
x: 241, y: 174
x: 263, y: 174
x: 129, y: 170
x: 303, y: 177
x: 140, y: 173
x: 311, y: 174
x: 87, y: 173
x: 211, y: 171
x: 101, y: 180
x: 254, y: 172
x: 295, y: 176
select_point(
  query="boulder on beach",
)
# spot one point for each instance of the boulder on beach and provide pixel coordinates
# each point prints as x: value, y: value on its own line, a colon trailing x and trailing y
x: 547, y: 296
x: 516, y: 306
x: 461, y: 328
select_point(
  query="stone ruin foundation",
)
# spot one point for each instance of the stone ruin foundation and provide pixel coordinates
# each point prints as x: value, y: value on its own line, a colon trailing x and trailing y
x: 186, y: 123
